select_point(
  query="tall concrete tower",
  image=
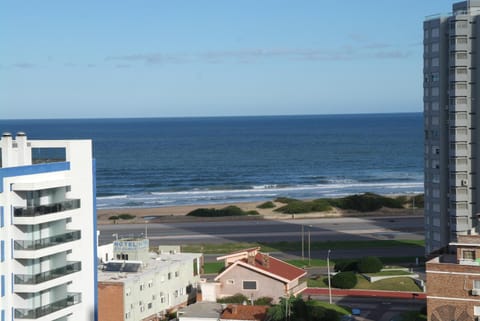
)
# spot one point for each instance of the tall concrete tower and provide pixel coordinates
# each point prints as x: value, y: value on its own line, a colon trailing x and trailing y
x: 452, y: 140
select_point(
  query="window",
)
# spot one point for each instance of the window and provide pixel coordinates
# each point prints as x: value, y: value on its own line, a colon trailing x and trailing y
x: 2, y: 251
x: 2, y: 221
x: 149, y: 305
x: 435, y: 32
x: 142, y: 286
x: 162, y: 297
x: 169, y: 275
x: 476, y: 284
x: 177, y: 274
x: 195, y: 267
x: 127, y: 315
x: 181, y: 291
x: 128, y: 292
x: 175, y: 294
x: 2, y: 281
x: 150, y: 283
x: 470, y: 255
x: 249, y: 285
x: 142, y: 308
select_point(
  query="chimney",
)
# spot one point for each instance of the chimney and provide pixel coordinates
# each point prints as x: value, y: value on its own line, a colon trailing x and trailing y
x: 266, y: 260
x: 251, y: 259
x: 234, y: 309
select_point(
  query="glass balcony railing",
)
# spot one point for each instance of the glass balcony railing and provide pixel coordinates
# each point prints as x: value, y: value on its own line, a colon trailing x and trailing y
x: 47, y: 209
x: 49, y: 275
x: 48, y: 241
x: 71, y: 299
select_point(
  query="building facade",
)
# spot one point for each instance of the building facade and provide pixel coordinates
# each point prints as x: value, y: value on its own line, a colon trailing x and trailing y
x: 47, y: 230
x: 453, y: 282
x: 138, y: 285
x: 452, y: 198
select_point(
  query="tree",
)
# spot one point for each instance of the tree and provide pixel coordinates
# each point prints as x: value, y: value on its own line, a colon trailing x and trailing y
x: 370, y: 264
x: 344, y: 280
x: 113, y: 218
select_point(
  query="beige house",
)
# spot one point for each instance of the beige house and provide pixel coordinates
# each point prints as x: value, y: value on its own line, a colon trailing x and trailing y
x: 255, y: 275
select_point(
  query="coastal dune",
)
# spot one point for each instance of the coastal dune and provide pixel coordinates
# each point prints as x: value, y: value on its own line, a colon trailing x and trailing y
x: 178, y: 213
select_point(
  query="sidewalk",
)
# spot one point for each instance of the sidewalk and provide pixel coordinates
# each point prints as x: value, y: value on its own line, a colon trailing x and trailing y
x: 366, y: 293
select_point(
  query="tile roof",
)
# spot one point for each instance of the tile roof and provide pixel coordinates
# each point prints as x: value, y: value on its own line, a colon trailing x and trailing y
x: 277, y: 267
x: 264, y: 263
x: 245, y: 312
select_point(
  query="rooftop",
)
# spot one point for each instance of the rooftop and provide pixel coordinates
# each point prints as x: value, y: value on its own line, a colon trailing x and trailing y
x: 264, y: 263
x: 245, y: 312
x: 157, y: 263
x: 201, y: 310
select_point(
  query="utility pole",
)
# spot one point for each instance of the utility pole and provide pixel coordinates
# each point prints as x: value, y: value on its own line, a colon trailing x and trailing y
x: 328, y: 276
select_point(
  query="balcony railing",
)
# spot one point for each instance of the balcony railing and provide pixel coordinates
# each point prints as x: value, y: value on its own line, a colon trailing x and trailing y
x: 49, y: 275
x: 47, y: 209
x: 47, y: 242
x: 71, y: 299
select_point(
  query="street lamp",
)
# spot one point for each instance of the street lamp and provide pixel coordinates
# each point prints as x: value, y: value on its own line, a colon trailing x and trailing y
x: 309, y: 256
x: 328, y: 275
x: 303, y: 242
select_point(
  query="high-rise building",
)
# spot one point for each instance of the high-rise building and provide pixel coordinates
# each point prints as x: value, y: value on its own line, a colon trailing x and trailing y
x: 452, y: 140
x: 47, y: 230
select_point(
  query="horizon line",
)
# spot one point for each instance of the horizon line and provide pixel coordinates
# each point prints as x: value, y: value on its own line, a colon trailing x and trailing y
x: 212, y: 116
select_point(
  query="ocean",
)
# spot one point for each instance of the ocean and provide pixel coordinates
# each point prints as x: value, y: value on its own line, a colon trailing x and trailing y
x: 154, y: 162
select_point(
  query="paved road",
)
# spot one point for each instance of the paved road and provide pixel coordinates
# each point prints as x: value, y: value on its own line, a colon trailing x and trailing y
x: 320, y: 229
x: 376, y: 309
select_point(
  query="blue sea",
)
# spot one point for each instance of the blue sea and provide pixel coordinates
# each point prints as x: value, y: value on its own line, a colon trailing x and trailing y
x: 150, y: 162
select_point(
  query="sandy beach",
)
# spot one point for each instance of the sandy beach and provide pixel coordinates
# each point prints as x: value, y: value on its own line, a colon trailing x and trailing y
x: 178, y: 213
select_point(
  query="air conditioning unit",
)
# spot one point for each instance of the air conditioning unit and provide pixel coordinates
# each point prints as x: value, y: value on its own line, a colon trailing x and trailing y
x: 476, y: 292
x: 464, y: 182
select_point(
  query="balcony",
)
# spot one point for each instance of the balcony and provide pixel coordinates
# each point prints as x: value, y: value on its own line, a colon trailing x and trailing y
x: 46, y: 209
x: 49, y: 275
x: 47, y: 242
x: 71, y: 299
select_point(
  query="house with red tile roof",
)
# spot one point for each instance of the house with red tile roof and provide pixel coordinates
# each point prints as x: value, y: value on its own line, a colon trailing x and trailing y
x: 255, y: 275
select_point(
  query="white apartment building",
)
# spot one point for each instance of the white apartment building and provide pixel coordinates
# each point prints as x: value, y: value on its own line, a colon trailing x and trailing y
x: 452, y: 193
x: 139, y: 285
x: 48, y: 246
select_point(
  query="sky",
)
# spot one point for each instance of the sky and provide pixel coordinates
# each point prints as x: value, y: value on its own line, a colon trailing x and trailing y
x: 159, y: 58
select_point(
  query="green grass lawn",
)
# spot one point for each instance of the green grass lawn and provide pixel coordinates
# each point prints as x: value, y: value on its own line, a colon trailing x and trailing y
x: 389, y: 273
x: 393, y: 284
x: 296, y: 246
x: 213, y: 267
x: 338, y: 308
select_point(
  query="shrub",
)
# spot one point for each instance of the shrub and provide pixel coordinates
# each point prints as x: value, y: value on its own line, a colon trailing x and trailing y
x: 126, y: 216
x: 367, y: 202
x: 370, y: 264
x: 268, y: 204
x: 344, y: 280
x: 264, y: 300
x: 113, y: 218
x: 226, y: 211
x: 345, y: 265
x: 298, y: 207
x: 236, y: 298
x: 285, y: 200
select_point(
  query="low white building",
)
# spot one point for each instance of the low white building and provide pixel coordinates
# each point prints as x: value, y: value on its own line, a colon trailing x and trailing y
x: 141, y: 285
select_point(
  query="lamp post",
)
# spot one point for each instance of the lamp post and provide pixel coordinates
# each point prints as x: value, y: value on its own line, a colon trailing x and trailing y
x: 303, y: 242
x: 328, y: 276
x: 309, y: 256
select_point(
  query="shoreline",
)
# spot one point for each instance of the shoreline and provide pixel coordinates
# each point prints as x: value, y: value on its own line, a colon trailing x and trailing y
x: 178, y: 213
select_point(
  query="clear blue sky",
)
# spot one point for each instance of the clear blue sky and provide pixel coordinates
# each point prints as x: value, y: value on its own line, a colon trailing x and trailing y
x: 159, y: 58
